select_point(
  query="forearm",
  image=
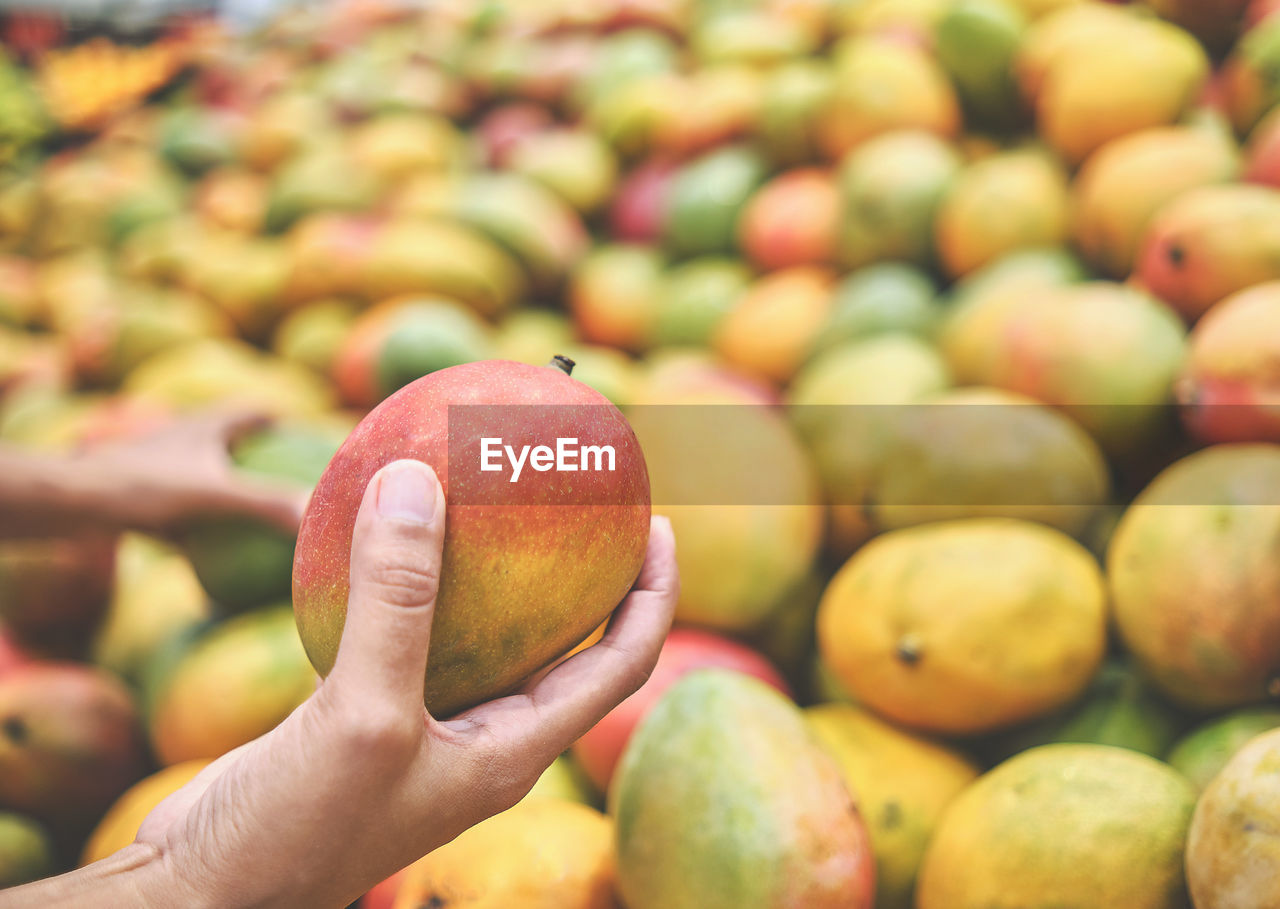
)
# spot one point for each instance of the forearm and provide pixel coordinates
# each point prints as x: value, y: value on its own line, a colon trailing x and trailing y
x: 49, y: 495
x: 136, y: 876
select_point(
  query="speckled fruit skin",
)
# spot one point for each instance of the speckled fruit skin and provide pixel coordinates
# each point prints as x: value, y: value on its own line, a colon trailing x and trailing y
x: 523, y: 579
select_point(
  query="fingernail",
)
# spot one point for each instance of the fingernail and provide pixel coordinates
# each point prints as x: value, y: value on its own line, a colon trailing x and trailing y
x: 407, y: 492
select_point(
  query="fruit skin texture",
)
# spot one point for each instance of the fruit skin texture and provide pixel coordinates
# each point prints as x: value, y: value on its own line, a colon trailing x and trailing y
x: 1232, y: 849
x: 1194, y: 581
x: 721, y: 745
x: 1007, y: 201
x: 1202, y: 753
x: 686, y: 649
x: 1063, y: 825
x: 231, y: 685
x: 1230, y: 384
x: 903, y: 784
x: 542, y: 854
x: 26, y: 852
x: 773, y: 324
x: 1209, y: 243
x: 1125, y: 183
x: 965, y: 626
x: 71, y: 742
x: 119, y: 826
x: 508, y: 603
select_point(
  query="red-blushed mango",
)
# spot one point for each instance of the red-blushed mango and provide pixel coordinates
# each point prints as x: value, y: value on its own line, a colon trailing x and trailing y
x: 1248, y: 75
x: 1096, y: 76
x: 686, y: 649
x: 773, y: 324
x: 1201, y: 754
x: 721, y: 745
x: 1063, y: 825
x: 880, y: 85
x: 640, y: 202
x: 54, y: 593
x: 792, y: 220
x: 1230, y: 384
x: 69, y: 744
x: 890, y: 189
x: 965, y: 626
x: 1232, y: 849
x: 226, y: 686
x: 507, y: 606
x: 1195, y: 585
x: 1007, y: 201
x: 1209, y: 243
x: 1105, y: 353
x: 119, y: 826
x: 613, y: 295
x: 1125, y: 183
x: 501, y: 131
x: 978, y: 451
x: 902, y: 782
x: 1262, y: 152
x: 746, y: 511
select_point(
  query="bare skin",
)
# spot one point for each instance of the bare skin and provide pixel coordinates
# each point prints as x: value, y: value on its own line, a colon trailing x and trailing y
x: 153, y: 483
x: 360, y: 780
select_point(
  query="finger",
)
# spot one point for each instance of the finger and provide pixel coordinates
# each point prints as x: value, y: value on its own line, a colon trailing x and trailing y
x: 395, y: 574
x: 230, y: 426
x: 574, y: 696
x: 279, y: 504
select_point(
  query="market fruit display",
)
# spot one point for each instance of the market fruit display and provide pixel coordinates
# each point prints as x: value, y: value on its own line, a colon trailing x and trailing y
x: 943, y: 331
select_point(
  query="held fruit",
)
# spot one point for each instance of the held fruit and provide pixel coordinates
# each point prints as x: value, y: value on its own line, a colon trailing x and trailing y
x: 530, y: 567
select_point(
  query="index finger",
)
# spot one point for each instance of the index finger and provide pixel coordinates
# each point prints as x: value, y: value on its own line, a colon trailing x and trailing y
x: 576, y: 694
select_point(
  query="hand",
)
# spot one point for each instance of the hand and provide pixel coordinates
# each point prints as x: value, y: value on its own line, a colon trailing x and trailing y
x: 360, y: 780
x: 159, y: 481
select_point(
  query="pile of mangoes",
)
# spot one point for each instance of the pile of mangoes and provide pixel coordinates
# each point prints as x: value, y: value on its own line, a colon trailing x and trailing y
x: 951, y: 333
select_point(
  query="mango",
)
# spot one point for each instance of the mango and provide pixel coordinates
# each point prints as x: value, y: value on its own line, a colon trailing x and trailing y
x: 26, y: 851
x: 1262, y: 152
x: 1004, y: 202
x: 226, y: 686
x: 326, y: 177
x: 1128, y: 180
x: 639, y: 206
x: 1248, y: 75
x: 241, y: 562
x: 706, y: 199
x: 1209, y: 243
x: 1106, y: 354
x: 976, y: 42
x: 1229, y: 387
x: 543, y: 854
x: 313, y: 334
x: 919, y: 627
x: 891, y: 186
x: 1231, y: 848
x: 685, y: 650
x: 1113, y: 79
x: 54, y: 592
x: 1193, y: 581
x: 394, y: 145
x: 746, y: 513
x: 614, y: 295
x: 792, y: 220
x: 507, y: 607
x: 794, y: 95
x: 119, y: 826
x: 721, y: 744
x: 156, y: 596
x: 1020, y: 836
x: 69, y: 744
x: 773, y: 324
x: 978, y: 451
x: 527, y: 335
x: 884, y: 298
x: 881, y: 85
x: 232, y: 198
x: 574, y: 164
x: 1201, y: 754
x: 903, y: 784
x: 694, y: 298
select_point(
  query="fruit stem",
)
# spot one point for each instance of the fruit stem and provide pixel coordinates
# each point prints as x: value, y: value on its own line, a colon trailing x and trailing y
x: 562, y: 363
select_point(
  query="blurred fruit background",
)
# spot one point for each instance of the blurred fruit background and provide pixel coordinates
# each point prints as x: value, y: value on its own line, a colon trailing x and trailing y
x: 972, y: 308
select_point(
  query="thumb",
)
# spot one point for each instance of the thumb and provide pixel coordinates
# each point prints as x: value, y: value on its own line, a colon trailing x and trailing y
x: 395, y: 574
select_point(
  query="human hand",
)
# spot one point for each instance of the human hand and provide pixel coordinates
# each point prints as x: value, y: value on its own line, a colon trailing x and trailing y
x: 159, y: 481
x: 360, y: 780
